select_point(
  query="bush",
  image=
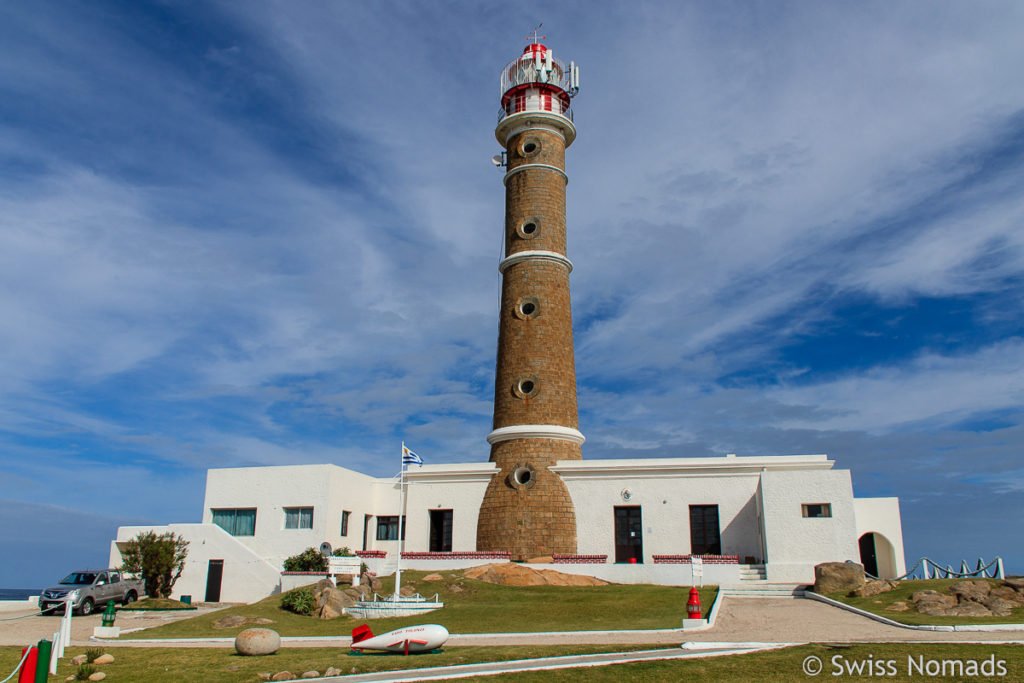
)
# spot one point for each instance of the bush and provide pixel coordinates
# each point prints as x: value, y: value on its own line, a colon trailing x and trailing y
x: 301, y: 601
x: 159, y: 560
x: 343, y: 552
x: 309, y: 560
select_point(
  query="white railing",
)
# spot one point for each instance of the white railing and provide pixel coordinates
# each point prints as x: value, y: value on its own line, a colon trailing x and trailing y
x: 556, y: 106
x: 546, y: 69
x: 930, y: 569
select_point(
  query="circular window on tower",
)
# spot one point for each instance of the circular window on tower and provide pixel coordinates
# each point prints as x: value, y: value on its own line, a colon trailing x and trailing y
x: 529, y: 228
x: 526, y: 387
x: 523, y: 476
x: 529, y: 146
x: 527, y: 307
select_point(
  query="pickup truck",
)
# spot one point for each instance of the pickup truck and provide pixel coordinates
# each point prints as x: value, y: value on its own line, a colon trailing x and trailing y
x: 89, y: 589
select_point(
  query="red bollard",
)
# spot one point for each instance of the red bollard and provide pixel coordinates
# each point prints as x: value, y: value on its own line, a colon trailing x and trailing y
x: 28, y: 669
x: 693, y: 609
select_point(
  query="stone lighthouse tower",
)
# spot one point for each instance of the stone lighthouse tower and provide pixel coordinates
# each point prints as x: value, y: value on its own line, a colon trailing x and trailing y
x: 527, y: 509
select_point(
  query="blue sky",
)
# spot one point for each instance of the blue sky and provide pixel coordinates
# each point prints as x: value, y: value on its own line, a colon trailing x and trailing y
x: 267, y: 233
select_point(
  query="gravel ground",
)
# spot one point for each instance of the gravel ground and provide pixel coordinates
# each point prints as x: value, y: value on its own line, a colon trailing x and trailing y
x: 739, y: 620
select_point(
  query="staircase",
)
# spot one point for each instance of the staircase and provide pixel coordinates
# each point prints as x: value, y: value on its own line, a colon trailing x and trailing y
x: 752, y: 572
x: 763, y: 589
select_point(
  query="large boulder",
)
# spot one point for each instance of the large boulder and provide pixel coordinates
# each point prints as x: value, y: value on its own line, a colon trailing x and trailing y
x: 999, y: 606
x: 933, y: 603
x: 371, y: 582
x: 832, y: 577
x: 1007, y: 593
x: 1015, y: 583
x: 331, y: 601
x: 255, y: 642
x: 875, y: 587
x: 969, y: 608
x: 510, y: 574
x: 973, y: 591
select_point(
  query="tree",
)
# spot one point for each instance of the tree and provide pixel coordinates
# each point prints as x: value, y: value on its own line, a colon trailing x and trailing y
x: 159, y: 560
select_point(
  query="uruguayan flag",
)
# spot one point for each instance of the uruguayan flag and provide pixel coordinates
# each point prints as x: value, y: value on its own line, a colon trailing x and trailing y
x: 410, y: 458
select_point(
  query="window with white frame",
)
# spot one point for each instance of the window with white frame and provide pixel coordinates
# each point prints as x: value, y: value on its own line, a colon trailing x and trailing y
x: 298, y: 518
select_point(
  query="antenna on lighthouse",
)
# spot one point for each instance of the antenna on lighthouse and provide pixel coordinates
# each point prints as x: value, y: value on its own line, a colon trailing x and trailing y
x: 537, y: 39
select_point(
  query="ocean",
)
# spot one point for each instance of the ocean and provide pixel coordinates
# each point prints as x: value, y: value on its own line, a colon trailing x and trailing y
x: 18, y: 593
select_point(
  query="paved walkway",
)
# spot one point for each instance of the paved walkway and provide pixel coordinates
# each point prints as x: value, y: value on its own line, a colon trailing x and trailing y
x: 739, y: 620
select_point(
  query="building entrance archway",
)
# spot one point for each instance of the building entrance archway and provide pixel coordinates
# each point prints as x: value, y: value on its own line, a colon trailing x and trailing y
x: 878, y: 555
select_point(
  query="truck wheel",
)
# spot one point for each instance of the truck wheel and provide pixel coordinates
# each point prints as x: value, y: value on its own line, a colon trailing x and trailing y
x: 85, y: 609
x: 130, y: 597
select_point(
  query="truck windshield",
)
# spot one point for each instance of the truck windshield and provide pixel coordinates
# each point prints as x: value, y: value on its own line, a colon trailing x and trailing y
x: 78, y: 579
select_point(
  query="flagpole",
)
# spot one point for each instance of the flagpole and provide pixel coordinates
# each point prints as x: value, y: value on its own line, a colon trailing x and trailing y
x: 401, y: 527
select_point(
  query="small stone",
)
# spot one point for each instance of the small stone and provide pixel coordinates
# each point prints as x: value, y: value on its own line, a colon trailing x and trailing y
x: 79, y: 660
x: 874, y: 587
x: 282, y: 676
x: 455, y: 588
x: 105, y: 658
x: 98, y: 676
x: 264, y: 675
x: 71, y: 678
x: 255, y: 642
x: 407, y: 591
x: 433, y: 577
x: 899, y: 606
x: 310, y: 674
x: 332, y: 671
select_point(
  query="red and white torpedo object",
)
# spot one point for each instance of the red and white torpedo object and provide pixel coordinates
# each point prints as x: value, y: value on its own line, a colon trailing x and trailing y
x: 409, y: 639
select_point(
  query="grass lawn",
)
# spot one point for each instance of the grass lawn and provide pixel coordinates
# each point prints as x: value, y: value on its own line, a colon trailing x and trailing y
x: 476, y: 607
x: 222, y: 665
x: 904, y: 589
x: 784, y: 666
x: 156, y: 665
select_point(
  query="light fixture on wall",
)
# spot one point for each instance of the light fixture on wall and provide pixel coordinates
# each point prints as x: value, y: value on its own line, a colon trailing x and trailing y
x: 626, y: 494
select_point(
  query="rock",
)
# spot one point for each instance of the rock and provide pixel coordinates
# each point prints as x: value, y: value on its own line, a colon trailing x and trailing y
x: 456, y: 588
x: 1007, y: 593
x: 97, y: 676
x: 998, y: 606
x: 874, y: 587
x: 282, y: 676
x: 332, y: 671
x: 71, y: 678
x: 969, y: 609
x: 1016, y: 583
x: 975, y: 591
x: 899, y: 606
x: 832, y: 577
x: 371, y: 582
x: 310, y: 674
x: 933, y: 603
x: 264, y: 675
x: 509, y: 574
x: 407, y: 591
x: 255, y: 642
x: 330, y: 601
x: 433, y: 577
x: 104, y: 659
x: 79, y: 660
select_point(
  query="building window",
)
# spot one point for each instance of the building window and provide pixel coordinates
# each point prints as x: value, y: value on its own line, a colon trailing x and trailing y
x: 705, y: 538
x: 344, y: 522
x: 817, y: 509
x: 387, y: 528
x: 237, y: 522
x: 298, y: 518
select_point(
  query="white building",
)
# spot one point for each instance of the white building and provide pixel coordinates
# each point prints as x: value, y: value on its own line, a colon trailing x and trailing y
x: 761, y: 518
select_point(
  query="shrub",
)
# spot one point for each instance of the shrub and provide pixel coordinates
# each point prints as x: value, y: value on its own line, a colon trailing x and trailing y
x: 343, y: 552
x: 301, y: 601
x: 159, y: 560
x: 92, y: 654
x: 309, y: 560
x: 84, y: 671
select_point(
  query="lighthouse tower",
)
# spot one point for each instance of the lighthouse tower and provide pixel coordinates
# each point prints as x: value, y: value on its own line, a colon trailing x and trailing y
x: 527, y: 509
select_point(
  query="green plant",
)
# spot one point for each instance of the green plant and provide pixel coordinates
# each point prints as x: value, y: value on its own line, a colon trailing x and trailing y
x: 309, y: 560
x: 92, y: 654
x: 363, y: 568
x: 84, y: 671
x: 159, y: 560
x: 343, y: 552
x: 300, y: 601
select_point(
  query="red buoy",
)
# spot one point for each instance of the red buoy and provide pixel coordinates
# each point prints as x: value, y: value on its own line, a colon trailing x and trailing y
x: 693, y: 609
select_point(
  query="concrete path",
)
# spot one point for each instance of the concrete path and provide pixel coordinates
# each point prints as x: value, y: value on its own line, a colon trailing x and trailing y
x: 739, y: 620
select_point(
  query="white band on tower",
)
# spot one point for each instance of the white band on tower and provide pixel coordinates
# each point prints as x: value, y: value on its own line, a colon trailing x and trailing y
x: 521, y: 256
x: 535, y: 432
x: 525, y: 167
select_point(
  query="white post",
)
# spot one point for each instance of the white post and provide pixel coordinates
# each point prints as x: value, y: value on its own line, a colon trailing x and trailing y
x: 54, y: 650
x: 999, y: 568
x: 924, y: 567
x: 401, y: 527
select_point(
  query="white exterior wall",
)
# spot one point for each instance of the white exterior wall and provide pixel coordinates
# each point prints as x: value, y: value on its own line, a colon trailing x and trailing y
x: 459, y: 488
x: 882, y: 516
x: 247, y: 577
x: 664, y: 491
x: 794, y: 543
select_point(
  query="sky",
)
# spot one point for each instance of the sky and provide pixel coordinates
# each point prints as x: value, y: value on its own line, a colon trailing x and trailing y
x: 267, y: 233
